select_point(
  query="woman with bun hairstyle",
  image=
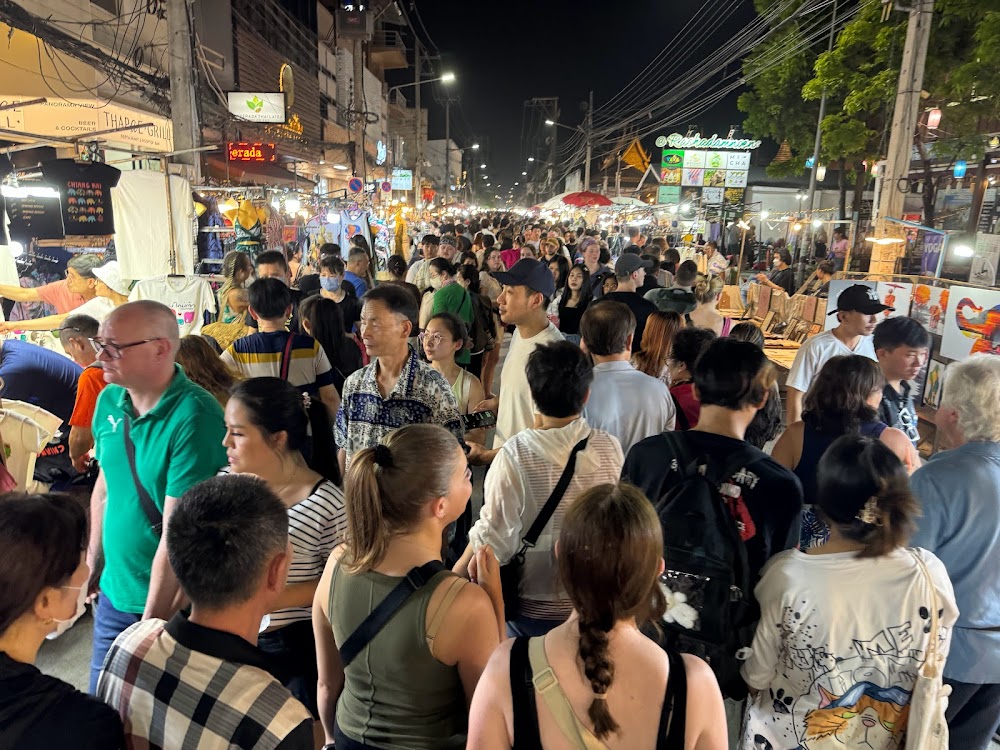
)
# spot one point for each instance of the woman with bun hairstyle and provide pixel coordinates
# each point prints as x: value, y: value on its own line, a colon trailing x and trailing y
x: 448, y: 296
x: 707, y: 290
x: 608, y: 677
x: 267, y: 428
x: 411, y: 683
x: 846, y: 626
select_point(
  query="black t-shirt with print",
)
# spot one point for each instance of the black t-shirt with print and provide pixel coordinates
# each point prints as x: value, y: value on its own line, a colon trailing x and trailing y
x: 773, y: 494
x: 85, y: 190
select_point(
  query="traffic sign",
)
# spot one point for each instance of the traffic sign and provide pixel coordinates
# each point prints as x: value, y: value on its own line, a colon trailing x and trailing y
x: 386, y: 187
x: 355, y: 185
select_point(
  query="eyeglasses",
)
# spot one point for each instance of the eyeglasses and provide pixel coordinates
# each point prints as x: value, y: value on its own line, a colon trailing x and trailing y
x: 115, y: 350
x: 434, y: 338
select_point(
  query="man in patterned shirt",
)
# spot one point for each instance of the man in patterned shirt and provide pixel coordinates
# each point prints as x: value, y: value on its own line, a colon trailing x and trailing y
x: 199, y: 680
x: 396, y: 389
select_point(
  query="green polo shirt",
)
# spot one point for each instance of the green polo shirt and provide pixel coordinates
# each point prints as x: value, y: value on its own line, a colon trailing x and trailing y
x: 177, y: 444
x: 455, y: 299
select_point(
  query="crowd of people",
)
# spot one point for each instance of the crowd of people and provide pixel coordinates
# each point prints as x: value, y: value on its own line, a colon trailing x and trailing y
x: 282, y: 551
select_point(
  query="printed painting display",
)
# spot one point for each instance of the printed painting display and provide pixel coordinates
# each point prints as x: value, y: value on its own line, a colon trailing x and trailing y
x: 935, y: 384
x: 928, y: 307
x: 895, y: 295
x: 972, y: 323
x: 836, y: 287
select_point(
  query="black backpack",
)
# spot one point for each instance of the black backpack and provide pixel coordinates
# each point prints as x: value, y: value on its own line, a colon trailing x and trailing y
x: 480, y: 330
x: 706, y: 560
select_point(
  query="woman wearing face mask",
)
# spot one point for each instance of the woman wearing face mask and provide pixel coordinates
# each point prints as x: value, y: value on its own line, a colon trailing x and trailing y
x: 267, y: 424
x: 332, y: 286
x: 43, y: 585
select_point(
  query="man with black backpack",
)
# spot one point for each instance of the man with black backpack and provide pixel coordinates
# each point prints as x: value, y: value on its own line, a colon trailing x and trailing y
x: 726, y: 508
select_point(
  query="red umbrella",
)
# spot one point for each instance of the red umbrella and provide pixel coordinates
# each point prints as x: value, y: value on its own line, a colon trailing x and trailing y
x: 585, y: 199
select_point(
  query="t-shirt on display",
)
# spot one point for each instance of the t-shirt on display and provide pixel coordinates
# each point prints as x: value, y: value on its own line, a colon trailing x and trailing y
x: 85, y: 192
x: 190, y: 297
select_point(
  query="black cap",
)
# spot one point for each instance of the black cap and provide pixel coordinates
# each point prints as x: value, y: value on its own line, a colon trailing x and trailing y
x: 628, y: 264
x: 530, y: 273
x: 860, y: 298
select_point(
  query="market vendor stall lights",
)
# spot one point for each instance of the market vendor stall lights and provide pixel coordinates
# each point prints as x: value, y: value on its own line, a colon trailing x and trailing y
x: 796, y: 227
x: 11, y: 191
x: 964, y: 251
x: 817, y: 223
x: 332, y: 217
x: 743, y: 225
x: 340, y: 167
x: 16, y: 249
x: 764, y: 215
x: 292, y: 205
x: 885, y: 240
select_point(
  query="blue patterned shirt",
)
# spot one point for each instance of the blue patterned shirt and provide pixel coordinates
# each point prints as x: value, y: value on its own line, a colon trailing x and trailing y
x: 421, y: 396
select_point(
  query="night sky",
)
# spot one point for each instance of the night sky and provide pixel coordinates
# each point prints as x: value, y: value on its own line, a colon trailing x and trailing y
x: 505, y: 54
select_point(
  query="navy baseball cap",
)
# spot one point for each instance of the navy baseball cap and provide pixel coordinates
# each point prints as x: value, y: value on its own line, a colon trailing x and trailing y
x: 530, y: 273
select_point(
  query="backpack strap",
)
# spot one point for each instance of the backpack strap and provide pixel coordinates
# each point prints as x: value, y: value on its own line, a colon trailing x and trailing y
x: 527, y: 735
x: 673, y: 717
x: 379, y: 617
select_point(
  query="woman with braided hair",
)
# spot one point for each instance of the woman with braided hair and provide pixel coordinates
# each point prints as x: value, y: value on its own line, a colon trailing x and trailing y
x: 598, y: 677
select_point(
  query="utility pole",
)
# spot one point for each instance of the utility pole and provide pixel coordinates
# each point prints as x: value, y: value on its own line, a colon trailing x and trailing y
x: 417, y: 188
x: 360, y: 118
x: 590, y: 125
x: 183, y: 108
x: 819, y: 123
x: 447, y: 151
x: 904, y: 120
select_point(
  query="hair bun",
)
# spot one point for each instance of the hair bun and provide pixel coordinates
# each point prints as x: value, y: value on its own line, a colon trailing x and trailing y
x: 383, y: 456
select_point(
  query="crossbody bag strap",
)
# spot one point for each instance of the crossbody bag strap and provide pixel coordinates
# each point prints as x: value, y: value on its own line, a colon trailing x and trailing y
x: 680, y: 418
x: 930, y: 666
x: 547, y: 685
x: 153, y: 514
x: 387, y: 609
x: 286, y: 357
x: 545, y: 514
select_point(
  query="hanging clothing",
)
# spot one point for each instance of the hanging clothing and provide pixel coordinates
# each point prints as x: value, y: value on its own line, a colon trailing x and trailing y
x: 26, y: 430
x: 142, y: 229
x: 85, y: 191
x: 190, y: 297
x: 352, y: 223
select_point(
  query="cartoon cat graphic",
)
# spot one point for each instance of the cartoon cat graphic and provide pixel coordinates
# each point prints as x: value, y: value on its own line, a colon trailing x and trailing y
x: 865, y: 716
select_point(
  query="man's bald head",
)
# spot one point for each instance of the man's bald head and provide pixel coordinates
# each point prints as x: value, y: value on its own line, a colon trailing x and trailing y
x: 149, y: 319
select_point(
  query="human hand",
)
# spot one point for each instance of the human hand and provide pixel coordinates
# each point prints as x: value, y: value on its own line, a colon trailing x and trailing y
x: 473, y: 568
x: 762, y: 278
x: 80, y: 463
x: 489, y: 404
x: 487, y: 573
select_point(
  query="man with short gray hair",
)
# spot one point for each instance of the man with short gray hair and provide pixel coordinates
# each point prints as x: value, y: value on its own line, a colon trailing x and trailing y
x: 959, y: 493
x: 156, y: 434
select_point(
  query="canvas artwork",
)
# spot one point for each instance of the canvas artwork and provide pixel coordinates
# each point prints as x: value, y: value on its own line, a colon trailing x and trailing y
x: 971, y: 323
x: 895, y: 295
x: 928, y: 307
x: 934, y: 386
x: 836, y: 287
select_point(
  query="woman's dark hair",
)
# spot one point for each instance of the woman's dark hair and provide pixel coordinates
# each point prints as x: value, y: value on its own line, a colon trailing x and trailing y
x: 333, y: 264
x: 863, y: 489
x: 689, y: 344
x: 471, y: 276
x: 748, y: 332
x: 486, y: 257
x: 610, y: 550
x: 396, y: 265
x: 291, y: 248
x: 42, y: 537
x: 586, y: 293
x: 326, y: 323
x: 766, y: 423
x: 329, y: 248
x: 360, y: 241
x: 275, y: 405
x: 506, y: 241
x: 443, y: 266
x: 468, y: 255
x: 455, y: 325
x: 782, y: 252
x: 837, y: 401
x: 560, y: 260
x: 605, y: 256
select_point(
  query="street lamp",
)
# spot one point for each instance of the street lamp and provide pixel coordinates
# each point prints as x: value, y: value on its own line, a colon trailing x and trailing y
x: 531, y: 158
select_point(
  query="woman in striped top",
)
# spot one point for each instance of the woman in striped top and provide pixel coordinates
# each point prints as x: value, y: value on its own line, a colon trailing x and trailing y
x: 266, y: 429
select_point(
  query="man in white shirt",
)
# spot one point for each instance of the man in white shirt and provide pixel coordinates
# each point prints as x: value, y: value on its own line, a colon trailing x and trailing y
x: 527, y: 290
x: 857, y: 309
x: 627, y: 403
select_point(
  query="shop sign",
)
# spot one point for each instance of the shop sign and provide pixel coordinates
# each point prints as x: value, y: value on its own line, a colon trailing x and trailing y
x: 676, y: 140
x: 69, y: 118
x: 402, y: 179
x: 380, y: 153
x: 250, y: 153
x: 34, y: 214
x: 257, y: 106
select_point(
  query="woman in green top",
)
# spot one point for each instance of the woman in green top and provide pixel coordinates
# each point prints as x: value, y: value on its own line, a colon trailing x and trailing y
x: 237, y: 269
x: 409, y: 688
x: 451, y: 296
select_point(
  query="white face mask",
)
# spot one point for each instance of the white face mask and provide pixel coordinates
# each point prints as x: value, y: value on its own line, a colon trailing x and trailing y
x: 81, y: 607
x: 436, y: 282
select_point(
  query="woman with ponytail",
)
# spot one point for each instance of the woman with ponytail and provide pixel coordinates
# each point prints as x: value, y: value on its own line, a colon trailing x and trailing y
x: 845, y: 627
x: 267, y: 427
x: 412, y: 678
x: 605, y: 677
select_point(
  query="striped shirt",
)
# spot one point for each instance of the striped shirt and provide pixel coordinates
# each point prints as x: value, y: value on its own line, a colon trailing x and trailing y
x: 315, y: 526
x: 178, y: 684
x: 259, y: 355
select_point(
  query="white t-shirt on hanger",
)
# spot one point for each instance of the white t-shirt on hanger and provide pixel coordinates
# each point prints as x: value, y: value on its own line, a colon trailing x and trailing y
x: 190, y: 297
x: 26, y: 430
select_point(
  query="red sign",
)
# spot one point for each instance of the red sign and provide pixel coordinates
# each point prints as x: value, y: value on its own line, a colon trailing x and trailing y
x: 251, y: 152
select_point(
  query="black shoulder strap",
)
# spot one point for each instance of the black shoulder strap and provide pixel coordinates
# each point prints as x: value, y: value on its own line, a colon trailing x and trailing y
x: 154, y: 514
x: 673, y: 717
x: 545, y: 514
x: 679, y: 447
x: 738, y: 459
x: 387, y: 608
x: 527, y: 735
x: 681, y: 419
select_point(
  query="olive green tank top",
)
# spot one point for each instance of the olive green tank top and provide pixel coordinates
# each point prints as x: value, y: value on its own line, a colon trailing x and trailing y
x: 396, y: 695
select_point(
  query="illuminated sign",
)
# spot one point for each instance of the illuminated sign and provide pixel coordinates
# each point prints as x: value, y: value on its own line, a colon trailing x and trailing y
x: 257, y: 107
x: 251, y: 152
x: 402, y: 179
x: 676, y: 140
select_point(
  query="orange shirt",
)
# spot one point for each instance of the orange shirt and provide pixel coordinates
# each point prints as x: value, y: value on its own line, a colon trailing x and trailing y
x: 88, y: 388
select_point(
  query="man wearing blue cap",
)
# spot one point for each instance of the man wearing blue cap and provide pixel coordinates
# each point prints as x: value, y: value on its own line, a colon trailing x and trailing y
x: 527, y: 290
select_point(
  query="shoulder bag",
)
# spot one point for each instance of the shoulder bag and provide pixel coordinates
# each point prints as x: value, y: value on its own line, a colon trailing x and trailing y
x: 510, y: 574
x: 153, y: 514
x: 927, y: 728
